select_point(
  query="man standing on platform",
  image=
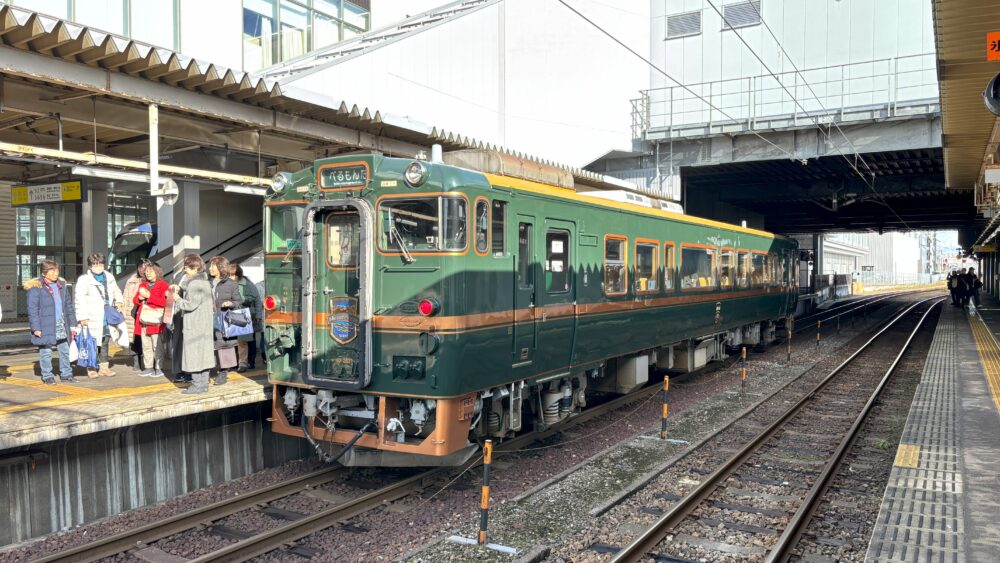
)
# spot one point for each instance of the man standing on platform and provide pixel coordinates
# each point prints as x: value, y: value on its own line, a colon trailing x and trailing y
x: 970, y: 284
x: 51, y: 318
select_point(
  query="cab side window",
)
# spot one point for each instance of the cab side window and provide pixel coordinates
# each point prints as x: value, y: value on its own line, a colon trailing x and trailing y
x: 482, y: 226
x: 614, y: 266
x: 499, y: 227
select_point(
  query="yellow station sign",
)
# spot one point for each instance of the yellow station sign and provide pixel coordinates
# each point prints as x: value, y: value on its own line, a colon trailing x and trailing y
x: 59, y: 192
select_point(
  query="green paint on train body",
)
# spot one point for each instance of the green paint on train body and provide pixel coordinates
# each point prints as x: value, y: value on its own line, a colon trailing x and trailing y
x: 521, y: 304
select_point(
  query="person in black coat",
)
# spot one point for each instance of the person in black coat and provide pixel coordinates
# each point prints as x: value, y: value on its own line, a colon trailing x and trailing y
x: 227, y: 297
x: 52, y: 319
x: 971, y: 285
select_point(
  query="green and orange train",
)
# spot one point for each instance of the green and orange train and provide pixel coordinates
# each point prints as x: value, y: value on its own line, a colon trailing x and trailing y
x: 415, y: 308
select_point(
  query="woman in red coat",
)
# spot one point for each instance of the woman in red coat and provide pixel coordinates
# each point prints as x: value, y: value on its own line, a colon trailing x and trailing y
x: 151, y: 298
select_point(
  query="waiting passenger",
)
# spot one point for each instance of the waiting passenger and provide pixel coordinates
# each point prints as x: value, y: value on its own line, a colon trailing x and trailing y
x: 99, y: 305
x: 131, y: 310
x: 250, y: 298
x: 195, y: 308
x: 151, y: 299
x: 971, y: 285
x: 226, y: 296
x: 51, y: 316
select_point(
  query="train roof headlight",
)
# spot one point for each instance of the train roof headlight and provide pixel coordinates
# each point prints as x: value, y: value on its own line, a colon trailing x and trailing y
x: 280, y: 182
x: 415, y: 174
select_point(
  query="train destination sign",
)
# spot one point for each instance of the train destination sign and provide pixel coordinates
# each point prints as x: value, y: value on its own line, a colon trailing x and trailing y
x: 345, y: 176
x: 70, y: 191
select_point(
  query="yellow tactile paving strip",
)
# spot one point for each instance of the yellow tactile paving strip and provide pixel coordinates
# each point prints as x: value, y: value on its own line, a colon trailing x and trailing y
x: 908, y: 455
x: 989, y: 352
x: 78, y: 395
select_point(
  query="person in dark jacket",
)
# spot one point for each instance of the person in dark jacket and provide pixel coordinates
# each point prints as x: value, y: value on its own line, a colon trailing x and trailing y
x: 953, y: 283
x: 971, y: 285
x: 226, y: 297
x: 250, y: 299
x: 51, y: 317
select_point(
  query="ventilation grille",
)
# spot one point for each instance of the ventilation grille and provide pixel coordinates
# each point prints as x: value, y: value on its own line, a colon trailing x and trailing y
x: 682, y: 25
x: 741, y: 14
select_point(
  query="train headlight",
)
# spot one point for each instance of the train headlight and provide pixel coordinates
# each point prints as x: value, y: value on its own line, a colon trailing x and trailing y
x: 415, y: 174
x: 280, y: 182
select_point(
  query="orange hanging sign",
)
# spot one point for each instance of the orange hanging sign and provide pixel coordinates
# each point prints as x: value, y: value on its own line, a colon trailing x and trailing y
x: 993, y: 46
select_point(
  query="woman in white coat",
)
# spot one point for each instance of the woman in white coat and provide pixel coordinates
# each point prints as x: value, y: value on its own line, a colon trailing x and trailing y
x: 95, y: 292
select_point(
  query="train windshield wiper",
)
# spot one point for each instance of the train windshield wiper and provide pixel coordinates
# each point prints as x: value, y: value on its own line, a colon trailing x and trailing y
x: 396, y: 236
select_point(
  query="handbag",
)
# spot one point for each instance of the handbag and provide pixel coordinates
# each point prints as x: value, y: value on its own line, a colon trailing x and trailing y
x: 86, y: 350
x: 150, y: 315
x: 113, y: 316
x: 236, y: 322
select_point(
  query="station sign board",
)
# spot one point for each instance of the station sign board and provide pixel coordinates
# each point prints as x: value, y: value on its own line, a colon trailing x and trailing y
x: 69, y: 191
x: 993, y: 46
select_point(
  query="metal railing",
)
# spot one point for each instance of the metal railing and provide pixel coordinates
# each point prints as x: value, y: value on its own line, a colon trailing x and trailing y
x: 879, y: 88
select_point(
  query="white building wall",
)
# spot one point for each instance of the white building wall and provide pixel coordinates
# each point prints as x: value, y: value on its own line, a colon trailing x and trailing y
x: 820, y: 35
x: 505, y: 76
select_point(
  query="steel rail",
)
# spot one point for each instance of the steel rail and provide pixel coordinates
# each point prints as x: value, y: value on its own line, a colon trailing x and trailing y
x: 118, y: 543
x: 859, y: 305
x: 144, y: 535
x: 781, y: 550
x: 649, y: 539
x: 273, y: 539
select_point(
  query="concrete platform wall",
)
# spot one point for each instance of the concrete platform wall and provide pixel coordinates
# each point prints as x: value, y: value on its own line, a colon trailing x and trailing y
x: 91, y: 477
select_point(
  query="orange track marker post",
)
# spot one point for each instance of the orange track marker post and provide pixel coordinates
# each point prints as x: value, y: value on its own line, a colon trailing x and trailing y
x: 666, y: 407
x: 484, y: 511
x: 743, y: 371
x: 819, y: 325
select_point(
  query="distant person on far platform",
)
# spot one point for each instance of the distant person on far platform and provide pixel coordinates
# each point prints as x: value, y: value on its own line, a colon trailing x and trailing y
x: 99, y: 305
x: 50, y: 317
x: 971, y: 283
x: 151, y: 300
x: 247, y: 345
x: 195, y: 307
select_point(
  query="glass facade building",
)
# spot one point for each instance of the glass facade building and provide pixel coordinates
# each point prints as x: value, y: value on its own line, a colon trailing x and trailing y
x: 246, y: 35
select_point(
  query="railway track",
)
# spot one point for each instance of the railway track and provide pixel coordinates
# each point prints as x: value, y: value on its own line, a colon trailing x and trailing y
x: 836, y: 313
x: 774, y: 482
x: 298, y: 526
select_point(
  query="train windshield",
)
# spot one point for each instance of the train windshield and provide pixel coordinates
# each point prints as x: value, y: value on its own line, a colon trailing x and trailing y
x: 129, y: 248
x: 283, y: 225
x: 423, y: 224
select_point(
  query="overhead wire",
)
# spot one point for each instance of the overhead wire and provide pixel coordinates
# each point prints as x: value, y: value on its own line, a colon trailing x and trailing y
x: 869, y: 183
x: 668, y: 77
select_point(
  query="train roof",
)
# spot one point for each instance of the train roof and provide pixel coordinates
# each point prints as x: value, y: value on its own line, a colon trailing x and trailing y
x: 517, y: 173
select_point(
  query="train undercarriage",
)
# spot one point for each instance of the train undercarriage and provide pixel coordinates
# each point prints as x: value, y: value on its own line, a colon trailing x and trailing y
x: 363, y: 429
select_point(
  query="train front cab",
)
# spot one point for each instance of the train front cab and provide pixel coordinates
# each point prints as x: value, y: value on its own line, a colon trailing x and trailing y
x: 325, y: 398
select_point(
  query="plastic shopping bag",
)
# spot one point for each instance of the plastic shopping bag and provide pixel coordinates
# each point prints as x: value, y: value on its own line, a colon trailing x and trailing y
x: 87, y: 350
x: 74, y: 351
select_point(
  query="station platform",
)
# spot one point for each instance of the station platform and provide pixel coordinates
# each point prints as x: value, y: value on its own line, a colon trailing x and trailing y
x: 942, y: 502
x: 32, y: 412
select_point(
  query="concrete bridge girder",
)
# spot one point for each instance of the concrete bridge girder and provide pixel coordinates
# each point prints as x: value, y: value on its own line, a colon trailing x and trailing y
x: 909, y: 133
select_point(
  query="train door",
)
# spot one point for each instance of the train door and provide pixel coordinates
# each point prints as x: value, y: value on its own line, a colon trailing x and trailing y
x: 525, y: 270
x: 335, y: 327
x: 555, y: 314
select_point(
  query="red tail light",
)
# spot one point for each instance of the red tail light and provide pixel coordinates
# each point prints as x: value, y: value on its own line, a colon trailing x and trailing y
x: 429, y: 307
x: 270, y: 303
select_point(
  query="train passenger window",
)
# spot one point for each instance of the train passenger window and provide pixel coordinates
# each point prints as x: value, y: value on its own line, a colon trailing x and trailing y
x: 743, y: 268
x: 525, y: 278
x: 283, y: 224
x: 645, y: 267
x: 727, y: 268
x: 697, y: 268
x: 615, y: 275
x: 423, y: 224
x: 343, y: 238
x: 669, y: 265
x: 557, y: 261
x: 774, y: 280
x: 482, y: 226
x: 758, y: 271
x: 499, y: 227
